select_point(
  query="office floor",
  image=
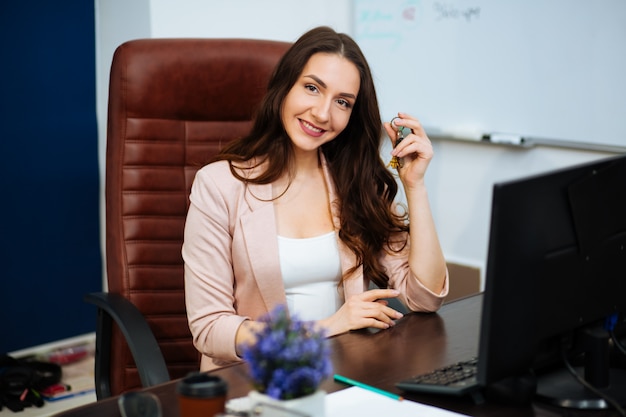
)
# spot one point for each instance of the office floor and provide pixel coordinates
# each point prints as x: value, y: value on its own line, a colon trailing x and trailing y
x: 78, y: 374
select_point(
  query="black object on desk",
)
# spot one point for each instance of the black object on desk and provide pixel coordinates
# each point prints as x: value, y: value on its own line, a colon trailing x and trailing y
x: 456, y: 379
x: 139, y: 404
x: 556, y: 270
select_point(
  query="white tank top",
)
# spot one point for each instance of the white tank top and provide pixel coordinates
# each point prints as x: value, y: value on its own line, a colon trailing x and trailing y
x: 311, y: 270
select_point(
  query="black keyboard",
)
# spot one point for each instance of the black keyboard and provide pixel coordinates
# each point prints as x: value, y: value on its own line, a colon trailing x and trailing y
x: 455, y: 379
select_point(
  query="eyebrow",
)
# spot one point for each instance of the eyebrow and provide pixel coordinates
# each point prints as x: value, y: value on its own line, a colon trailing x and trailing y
x: 323, y: 84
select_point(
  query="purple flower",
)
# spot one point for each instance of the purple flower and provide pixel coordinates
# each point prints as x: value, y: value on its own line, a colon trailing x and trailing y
x: 289, y: 358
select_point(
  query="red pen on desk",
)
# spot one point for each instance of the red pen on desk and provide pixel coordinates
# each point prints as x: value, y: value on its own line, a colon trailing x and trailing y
x: 55, y: 389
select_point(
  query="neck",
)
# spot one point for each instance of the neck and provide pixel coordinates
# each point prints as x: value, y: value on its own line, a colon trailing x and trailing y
x: 307, y: 166
x: 307, y: 162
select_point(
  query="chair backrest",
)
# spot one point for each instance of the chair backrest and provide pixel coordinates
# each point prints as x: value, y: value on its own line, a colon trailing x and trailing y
x: 173, y: 103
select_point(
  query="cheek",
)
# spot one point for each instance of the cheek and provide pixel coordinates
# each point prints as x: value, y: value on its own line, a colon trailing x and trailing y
x: 286, y: 109
x: 292, y: 105
x: 341, y: 119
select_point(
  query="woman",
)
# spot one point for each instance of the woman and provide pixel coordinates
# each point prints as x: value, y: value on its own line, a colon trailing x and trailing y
x: 301, y: 212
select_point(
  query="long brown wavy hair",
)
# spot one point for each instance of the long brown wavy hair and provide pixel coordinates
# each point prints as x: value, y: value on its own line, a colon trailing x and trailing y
x: 366, y: 189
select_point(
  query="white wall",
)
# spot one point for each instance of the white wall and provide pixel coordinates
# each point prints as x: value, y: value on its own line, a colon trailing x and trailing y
x: 269, y: 19
x: 459, y: 178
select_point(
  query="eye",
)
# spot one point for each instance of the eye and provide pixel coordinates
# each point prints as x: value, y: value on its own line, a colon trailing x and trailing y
x: 312, y: 88
x: 344, y: 103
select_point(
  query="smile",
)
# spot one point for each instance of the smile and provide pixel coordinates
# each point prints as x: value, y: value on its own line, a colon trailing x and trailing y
x: 310, y: 128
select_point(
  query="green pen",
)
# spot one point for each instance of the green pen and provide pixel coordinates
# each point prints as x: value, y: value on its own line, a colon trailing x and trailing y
x: 367, y: 387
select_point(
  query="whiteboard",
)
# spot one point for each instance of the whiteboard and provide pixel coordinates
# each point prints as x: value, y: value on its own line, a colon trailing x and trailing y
x: 553, y: 70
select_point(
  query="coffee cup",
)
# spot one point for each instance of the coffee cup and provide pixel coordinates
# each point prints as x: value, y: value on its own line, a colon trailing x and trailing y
x: 201, y: 395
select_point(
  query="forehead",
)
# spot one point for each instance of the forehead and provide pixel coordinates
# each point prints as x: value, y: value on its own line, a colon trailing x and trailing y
x: 336, y: 71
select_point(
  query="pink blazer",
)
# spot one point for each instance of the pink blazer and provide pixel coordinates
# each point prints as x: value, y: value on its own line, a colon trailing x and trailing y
x: 232, y: 270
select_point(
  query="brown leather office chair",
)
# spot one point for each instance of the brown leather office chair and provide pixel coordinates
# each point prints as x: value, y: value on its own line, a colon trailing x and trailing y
x: 173, y: 103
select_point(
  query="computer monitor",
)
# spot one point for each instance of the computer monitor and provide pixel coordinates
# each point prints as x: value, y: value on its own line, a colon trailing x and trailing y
x: 556, y: 269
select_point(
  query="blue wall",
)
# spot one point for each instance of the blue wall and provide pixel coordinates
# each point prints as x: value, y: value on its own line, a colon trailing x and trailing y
x: 49, y: 210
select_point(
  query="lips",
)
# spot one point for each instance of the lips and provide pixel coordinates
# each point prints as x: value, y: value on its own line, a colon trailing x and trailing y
x: 311, y: 129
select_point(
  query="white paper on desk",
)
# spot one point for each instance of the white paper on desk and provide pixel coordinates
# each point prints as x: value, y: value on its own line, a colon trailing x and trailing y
x: 356, y: 401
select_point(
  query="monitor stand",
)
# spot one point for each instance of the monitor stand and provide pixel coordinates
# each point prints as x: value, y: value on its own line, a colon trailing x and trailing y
x: 560, y: 388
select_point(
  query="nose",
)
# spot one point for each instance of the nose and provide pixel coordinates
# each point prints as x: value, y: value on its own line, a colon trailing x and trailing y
x: 321, y: 110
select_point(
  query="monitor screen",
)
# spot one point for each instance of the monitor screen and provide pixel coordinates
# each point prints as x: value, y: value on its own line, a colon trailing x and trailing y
x: 556, y: 266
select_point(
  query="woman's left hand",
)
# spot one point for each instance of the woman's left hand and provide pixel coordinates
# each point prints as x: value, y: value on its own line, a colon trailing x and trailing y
x: 415, y: 150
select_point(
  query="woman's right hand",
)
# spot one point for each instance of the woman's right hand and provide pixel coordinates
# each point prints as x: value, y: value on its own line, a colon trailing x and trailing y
x: 368, y: 309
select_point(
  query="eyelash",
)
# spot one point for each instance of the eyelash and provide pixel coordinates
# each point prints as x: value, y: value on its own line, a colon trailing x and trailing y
x: 345, y: 103
x: 311, y: 87
x: 342, y: 102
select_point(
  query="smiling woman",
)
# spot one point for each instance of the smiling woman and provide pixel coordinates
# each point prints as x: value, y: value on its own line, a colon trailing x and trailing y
x: 308, y: 183
x: 318, y: 106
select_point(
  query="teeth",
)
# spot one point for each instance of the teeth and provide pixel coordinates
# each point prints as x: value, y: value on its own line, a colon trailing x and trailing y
x: 309, y: 126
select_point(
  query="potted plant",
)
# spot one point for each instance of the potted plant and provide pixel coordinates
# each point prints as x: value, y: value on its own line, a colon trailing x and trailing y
x: 287, y: 363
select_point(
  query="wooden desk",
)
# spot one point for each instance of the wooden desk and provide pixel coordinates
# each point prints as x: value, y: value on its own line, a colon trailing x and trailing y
x: 418, y: 343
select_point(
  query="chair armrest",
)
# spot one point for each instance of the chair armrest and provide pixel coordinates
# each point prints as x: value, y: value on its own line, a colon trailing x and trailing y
x: 139, y: 337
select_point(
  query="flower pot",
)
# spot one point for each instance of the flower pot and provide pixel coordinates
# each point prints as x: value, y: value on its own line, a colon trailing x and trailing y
x: 313, y: 405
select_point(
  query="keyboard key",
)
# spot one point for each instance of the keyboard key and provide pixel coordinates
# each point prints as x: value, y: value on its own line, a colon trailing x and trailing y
x: 455, y: 379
